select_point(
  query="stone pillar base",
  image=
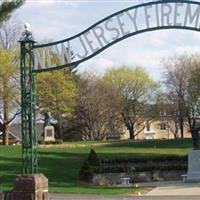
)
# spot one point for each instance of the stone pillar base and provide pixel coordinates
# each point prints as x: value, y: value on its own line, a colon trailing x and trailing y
x: 193, y: 174
x: 1, y: 196
x: 29, y: 187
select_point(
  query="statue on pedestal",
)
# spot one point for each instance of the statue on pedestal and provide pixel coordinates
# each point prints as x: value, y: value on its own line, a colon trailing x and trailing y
x: 49, y: 135
x: 195, y: 135
x: 47, y: 119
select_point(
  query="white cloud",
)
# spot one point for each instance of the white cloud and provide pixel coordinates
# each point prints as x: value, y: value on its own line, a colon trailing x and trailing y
x: 44, y: 2
x: 99, y: 65
x: 41, y: 3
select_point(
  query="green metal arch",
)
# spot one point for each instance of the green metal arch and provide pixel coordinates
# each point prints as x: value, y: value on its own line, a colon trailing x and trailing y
x: 28, y: 98
x: 121, y: 38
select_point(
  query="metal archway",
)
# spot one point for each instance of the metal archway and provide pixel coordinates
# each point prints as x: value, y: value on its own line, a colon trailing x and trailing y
x: 151, y: 16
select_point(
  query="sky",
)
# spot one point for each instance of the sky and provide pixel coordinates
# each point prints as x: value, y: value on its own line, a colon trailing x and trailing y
x: 55, y: 20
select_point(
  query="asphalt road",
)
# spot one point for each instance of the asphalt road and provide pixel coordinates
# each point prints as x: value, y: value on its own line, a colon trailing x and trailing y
x: 93, y: 197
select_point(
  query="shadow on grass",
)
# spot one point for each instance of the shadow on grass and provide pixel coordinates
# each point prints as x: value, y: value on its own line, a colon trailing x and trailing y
x: 9, y: 168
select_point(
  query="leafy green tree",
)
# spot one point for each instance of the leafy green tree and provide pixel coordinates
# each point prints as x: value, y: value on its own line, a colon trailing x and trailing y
x: 7, y: 7
x: 9, y: 92
x: 135, y: 90
x: 56, y: 92
x: 9, y: 74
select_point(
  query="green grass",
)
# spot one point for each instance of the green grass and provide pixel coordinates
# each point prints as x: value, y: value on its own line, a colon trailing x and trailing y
x: 61, y: 165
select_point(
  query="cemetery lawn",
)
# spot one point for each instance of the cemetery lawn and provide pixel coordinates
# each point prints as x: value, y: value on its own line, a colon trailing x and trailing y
x: 61, y: 164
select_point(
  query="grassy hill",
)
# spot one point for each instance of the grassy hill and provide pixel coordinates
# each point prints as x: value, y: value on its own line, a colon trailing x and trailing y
x: 61, y: 164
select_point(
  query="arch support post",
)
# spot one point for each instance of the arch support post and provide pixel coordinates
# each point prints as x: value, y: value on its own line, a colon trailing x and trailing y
x: 28, y: 103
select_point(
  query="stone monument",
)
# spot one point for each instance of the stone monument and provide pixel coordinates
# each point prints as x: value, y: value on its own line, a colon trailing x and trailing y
x: 49, y: 134
x: 193, y: 174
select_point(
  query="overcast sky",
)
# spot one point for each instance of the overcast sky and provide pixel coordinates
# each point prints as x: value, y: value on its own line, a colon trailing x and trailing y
x: 56, y: 20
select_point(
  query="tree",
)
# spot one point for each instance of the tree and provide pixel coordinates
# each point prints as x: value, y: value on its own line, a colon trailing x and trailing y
x: 182, y: 84
x: 9, y: 93
x: 9, y: 76
x: 93, y: 112
x: 175, y: 81
x: 176, y: 72
x: 193, y: 99
x: 10, y: 34
x: 135, y: 90
x: 56, y: 92
x: 7, y: 7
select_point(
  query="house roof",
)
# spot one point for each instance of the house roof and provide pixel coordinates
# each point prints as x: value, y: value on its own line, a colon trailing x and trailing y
x: 16, y: 130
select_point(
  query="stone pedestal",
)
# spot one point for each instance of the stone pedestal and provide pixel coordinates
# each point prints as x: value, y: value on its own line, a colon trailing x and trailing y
x: 29, y: 187
x: 193, y: 174
x: 1, y: 196
x: 49, y: 135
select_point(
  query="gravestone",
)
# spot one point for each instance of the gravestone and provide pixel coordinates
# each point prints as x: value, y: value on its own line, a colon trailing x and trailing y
x: 193, y: 174
x: 49, y: 135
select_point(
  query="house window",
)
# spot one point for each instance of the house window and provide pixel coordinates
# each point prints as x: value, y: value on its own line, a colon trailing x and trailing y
x: 163, y: 113
x: 148, y: 126
x: 163, y: 127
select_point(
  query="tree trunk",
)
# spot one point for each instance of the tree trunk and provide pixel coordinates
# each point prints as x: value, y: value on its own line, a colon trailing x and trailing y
x: 60, y: 128
x: 181, y: 126
x: 131, y: 134
x: 181, y: 117
x: 176, y: 131
x: 5, y: 123
x: 5, y: 134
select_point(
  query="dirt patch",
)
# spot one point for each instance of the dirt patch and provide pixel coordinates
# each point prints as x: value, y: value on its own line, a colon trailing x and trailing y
x: 71, y: 145
x: 65, y: 145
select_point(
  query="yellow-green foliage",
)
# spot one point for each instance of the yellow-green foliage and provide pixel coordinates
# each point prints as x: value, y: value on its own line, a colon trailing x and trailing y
x: 133, y: 80
x: 134, y: 89
x: 56, y: 92
x: 8, y: 77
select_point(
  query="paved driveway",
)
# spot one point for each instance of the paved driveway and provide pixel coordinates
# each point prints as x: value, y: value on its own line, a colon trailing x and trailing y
x: 93, y: 197
x: 162, y: 191
x: 176, y: 189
